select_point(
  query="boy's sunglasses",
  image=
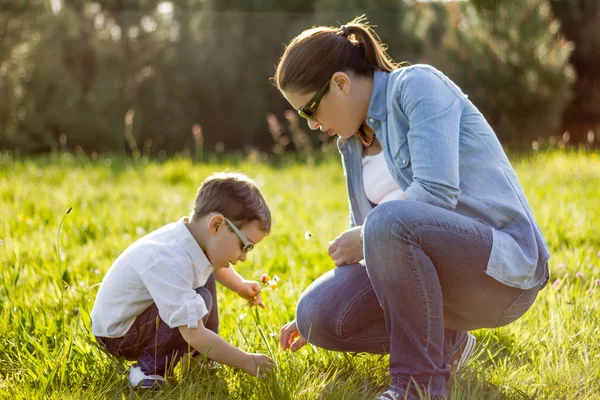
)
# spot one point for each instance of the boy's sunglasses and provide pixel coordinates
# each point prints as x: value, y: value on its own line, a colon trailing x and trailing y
x: 309, y: 110
x: 247, y: 245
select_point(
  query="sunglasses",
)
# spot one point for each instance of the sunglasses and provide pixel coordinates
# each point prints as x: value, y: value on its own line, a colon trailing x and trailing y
x: 247, y: 245
x: 309, y: 110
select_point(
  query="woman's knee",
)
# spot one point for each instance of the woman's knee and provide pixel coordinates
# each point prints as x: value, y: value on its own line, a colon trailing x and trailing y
x: 310, y: 318
x: 389, y: 219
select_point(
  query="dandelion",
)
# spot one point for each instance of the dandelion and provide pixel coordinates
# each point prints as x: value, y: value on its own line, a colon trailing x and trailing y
x: 579, y: 275
x: 308, y: 235
x: 264, y: 278
x: 556, y: 284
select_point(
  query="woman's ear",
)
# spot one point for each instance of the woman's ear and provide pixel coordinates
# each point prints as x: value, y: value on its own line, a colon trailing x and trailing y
x: 342, y: 81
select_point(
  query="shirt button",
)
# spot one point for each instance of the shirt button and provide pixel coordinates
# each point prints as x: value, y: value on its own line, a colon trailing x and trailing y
x: 403, y: 161
x: 371, y: 120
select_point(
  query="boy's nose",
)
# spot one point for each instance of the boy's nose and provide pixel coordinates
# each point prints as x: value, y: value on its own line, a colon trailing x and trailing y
x: 243, y: 257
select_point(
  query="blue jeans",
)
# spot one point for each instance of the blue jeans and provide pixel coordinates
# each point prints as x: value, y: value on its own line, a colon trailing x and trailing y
x: 422, y: 287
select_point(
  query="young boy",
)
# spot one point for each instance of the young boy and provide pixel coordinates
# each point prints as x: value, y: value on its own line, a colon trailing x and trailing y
x: 158, y: 300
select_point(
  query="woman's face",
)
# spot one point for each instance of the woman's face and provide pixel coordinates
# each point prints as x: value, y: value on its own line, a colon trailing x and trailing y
x: 340, y: 112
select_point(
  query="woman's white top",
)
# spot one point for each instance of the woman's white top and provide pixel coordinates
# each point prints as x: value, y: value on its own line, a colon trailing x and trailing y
x: 378, y: 182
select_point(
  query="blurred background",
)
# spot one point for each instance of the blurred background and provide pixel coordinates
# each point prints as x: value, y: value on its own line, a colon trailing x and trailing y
x: 191, y: 77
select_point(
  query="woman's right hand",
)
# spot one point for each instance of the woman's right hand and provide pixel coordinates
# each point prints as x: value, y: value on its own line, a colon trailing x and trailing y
x: 288, y: 335
x: 258, y: 364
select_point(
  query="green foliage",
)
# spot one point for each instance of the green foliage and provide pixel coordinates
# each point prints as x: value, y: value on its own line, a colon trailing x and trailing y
x: 580, y: 23
x: 512, y: 64
x: 47, y: 350
x: 71, y: 71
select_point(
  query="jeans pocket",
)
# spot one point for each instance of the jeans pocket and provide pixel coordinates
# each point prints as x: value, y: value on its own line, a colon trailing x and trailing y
x: 518, y: 307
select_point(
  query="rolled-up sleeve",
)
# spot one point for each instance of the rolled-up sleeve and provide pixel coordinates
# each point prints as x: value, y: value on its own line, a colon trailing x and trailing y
x: 434, y: 111
x: 171, y: 289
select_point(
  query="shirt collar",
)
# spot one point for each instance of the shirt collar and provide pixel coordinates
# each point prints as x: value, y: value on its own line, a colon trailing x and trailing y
x: 190, y: 244
x: 378, y: 104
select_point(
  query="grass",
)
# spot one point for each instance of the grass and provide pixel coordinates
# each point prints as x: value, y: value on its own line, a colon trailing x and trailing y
x: 47, y: 290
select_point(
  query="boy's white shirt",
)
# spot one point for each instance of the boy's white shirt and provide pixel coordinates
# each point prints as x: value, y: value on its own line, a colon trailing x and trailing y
x: 163, y: 267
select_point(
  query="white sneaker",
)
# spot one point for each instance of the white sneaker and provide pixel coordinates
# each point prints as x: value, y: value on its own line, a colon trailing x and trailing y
x: 389, y: 395
x: 138, y: 379
x: 462, y: 356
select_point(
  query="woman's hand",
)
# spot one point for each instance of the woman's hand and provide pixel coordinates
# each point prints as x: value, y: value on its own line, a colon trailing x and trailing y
x: 288, y: 335
x: 346, y: 248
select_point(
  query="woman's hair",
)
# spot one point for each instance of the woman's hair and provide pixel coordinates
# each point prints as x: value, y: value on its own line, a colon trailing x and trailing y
x: 317, y: 53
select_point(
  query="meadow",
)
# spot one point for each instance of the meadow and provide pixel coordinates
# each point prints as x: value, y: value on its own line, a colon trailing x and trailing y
x: 49, y: 278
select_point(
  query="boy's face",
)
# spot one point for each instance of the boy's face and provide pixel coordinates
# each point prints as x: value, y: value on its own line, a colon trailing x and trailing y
x: 226, y: 246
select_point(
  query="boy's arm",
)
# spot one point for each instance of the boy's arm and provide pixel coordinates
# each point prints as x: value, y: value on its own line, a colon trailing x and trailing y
x: 229, y: 278
x: 233, y: 281
x: 216, y: 348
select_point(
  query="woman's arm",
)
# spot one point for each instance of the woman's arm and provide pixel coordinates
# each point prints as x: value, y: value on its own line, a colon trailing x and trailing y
x: 434, y: 111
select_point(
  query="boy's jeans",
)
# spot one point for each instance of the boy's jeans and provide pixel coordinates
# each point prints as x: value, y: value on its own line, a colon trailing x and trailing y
x: 423, y: 287
x: 153, y: 344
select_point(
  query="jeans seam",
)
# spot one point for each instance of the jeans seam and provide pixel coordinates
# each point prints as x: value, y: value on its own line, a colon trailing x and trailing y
x: 412, y: 243
x: 424, y: 300
x: 438, y: 227
x: 505, y: 312
x: 343, y: 317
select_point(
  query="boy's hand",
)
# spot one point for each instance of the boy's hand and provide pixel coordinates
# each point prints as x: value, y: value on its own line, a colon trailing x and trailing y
x: 250, y: 290
x: 258, y: 364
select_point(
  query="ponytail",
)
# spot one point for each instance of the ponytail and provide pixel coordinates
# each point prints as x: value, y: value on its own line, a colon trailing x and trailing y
x: 317, y: 53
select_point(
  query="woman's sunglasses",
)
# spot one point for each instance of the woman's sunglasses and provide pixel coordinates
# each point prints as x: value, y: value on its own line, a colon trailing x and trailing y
x: 309, y: 110
x: 247, y: 245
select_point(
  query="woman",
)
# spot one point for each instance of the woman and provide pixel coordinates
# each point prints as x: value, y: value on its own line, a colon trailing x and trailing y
x: 442, y: 238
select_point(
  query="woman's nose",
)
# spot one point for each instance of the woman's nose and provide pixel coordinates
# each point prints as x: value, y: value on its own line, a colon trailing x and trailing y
x: 314, y: 124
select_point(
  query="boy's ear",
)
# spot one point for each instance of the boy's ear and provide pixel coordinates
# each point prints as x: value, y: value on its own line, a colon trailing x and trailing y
x: 214, y: 223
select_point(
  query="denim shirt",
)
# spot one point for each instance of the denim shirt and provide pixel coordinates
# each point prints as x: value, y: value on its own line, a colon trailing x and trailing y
x: 440, y: 150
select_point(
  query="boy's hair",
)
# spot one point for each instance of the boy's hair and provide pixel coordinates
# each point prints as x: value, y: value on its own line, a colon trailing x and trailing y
x: 236, y: 197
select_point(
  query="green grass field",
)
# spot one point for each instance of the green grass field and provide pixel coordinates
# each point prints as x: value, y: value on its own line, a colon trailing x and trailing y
x: 47, y: 350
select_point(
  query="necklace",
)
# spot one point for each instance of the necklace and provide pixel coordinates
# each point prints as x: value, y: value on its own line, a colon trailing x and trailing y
x: 363, y: 138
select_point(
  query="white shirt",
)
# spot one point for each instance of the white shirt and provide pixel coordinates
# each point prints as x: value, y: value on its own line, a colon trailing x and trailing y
x: 163, y: 267
x: 378, y: 183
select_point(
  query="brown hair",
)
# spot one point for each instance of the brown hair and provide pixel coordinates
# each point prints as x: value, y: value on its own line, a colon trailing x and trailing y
x: 235, y: 196
x: 317, y: 53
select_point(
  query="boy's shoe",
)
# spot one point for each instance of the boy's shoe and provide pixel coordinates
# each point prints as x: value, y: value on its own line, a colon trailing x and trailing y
x: 138, y: 379
x: 462, y: 356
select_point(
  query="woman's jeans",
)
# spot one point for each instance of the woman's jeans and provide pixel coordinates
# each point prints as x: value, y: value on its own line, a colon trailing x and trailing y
x: 423, y: 286
x: 157, y: 347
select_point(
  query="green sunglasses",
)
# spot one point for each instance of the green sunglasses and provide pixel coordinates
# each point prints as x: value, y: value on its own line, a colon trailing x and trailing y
x: 247, y: 245
x: 309, y: 110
